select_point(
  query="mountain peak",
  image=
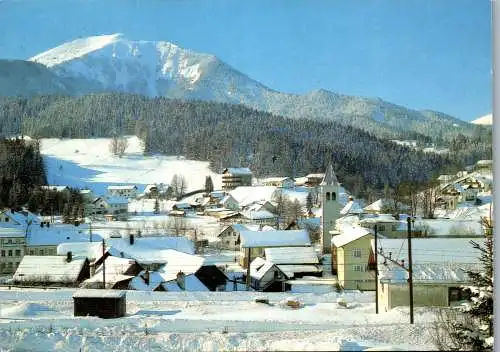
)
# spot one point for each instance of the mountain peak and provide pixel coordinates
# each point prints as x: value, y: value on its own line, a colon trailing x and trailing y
x: 75, y: 49
x: 484, y: 120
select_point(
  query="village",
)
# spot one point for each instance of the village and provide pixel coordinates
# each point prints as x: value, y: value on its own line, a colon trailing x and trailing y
x: 279, y: 234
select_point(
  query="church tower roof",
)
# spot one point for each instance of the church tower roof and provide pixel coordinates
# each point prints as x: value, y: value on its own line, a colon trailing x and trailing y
x: 330, y: 178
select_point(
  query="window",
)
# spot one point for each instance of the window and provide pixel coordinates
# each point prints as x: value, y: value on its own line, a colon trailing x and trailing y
x: 3, y: 253
x: 394, y: 228
x: 9, y: 241
x: 41, y: 251
x: 6, y: 219
x: 381, y: 227
x: 18, y: 252
x: 334, y: 196
x: 456, y: 294
x: 10, y: 252
x: 327, y: 195
x: 356, y: 252
x: 32, y: 252
x: 358, y: 268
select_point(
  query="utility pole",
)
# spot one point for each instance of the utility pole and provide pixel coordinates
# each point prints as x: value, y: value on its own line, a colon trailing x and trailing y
x: 248, y: 268
x: 103, y: 265
x: 376, y: 271
x: 410, y: 270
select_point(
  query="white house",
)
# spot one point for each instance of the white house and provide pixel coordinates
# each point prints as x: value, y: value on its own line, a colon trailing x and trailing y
x: 127, y: 191
x: 283, y: 182
x: 266, y: 276
x: 438, y: 273
x: 295, y: 262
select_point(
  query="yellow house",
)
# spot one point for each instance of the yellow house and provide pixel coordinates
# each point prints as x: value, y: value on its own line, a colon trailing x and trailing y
x: 352, y: 259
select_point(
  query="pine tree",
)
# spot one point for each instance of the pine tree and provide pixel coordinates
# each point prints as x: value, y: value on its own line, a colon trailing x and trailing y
x: 209, y: 185
x: 309, y: 203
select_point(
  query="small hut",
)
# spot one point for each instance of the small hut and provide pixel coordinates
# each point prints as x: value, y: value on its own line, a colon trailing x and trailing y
x: 101, y: 303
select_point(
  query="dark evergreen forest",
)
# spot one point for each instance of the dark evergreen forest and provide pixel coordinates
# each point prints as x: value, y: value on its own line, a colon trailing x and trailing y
x: 236, y: 136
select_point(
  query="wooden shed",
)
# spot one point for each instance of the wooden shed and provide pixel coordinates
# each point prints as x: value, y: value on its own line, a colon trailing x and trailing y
x: 100, y: 303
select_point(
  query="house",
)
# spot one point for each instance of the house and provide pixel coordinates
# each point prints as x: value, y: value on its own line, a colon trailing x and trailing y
x: 245, y: 195
x: 314, y: 180
x: 55, y: 188
x: 262, y: 217
x: 352, y: 258
x: 61, y: 270
x: 12, y: 248
x: 253, y: 243
x: 387, y: 225
x: 114, y: 206
x: 118, y: 272
x: 229, y: 236
x: 235, y: 177
x: 260, y: 206
x: 484, y: 165
x: 90, y: 250
x: 182, y: 282
x: 45, y: 240
x: 155, y: 190
x: 352, y: 207
x: 126, y: 191
x: 379, y: 206
x: 266, y: 276
x: 229, y: 202
x: 282, y: 182
x: 438, y: 273
x: 295, y: 262
x: 211, y: 277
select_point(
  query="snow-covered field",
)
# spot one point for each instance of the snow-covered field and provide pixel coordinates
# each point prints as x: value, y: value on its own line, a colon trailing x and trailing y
x: 88, y: 163
x: 42, y: 320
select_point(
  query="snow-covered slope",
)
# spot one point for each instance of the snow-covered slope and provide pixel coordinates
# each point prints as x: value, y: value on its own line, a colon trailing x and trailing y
x: 88, y: 163
x: 114, y: 63
x: 484, y: 120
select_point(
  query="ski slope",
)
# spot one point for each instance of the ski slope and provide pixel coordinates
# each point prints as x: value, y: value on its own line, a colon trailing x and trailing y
x: 88, y: 163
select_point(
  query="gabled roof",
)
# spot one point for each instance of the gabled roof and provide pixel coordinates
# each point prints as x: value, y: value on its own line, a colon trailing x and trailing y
x: 116, y: 271
x: 278, y: 238
x: 22, y: 217
x: 191, y: 284
x: 89, y: 250
x: 149, y: 249
x: 259, y: 267
x: 17, y: 232
x: 350, y: 234
x: 291, y: 255
x: 49, y: 268
x: 57, y: 234
x: 258, y: 215
x: 330, y: 178
x: 238, y: 171
x: 352, y: 207
x: 245, y: 195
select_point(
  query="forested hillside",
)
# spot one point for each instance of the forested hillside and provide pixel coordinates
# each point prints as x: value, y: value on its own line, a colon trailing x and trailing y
x: 233, y: 135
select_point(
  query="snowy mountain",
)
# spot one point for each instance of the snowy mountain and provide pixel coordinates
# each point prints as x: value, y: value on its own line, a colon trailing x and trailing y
x: 114, y: 63
x: 484, y: 120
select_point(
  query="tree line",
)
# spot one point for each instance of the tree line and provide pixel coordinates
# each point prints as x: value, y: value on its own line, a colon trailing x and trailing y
x: 234, y: 136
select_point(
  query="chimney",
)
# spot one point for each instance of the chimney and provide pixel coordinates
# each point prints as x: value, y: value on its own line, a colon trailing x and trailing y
x: 131, y: 237
x: 146, y: 277
x: 181, y: 280
x: 69, y: 256
x: 41, y: 224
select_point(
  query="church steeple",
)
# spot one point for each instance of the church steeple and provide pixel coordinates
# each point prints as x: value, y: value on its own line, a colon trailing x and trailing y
x: 330, y: 207
x: 330, y: 178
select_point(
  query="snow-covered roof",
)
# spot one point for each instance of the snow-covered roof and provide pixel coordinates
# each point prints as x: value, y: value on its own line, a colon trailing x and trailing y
x: 245, y: 195
x: 484, y: 162
x: 277, y: 238
x: 149, y: 249
x: 258, y: 215
x: 139, y: 282
x: 57, y: 234
x: 291, y: 255
x: 22, y: 217
x: 350, y: 234
x: 49, y: 268
x: 85, y: 191
x: 352, y: 207
x: 90, y: 250
x: 17, y: 232
x: 291, y: 270
x: 276, y: 179
x: 122, y: 187
x: 116, y: 200
x: 84, y: 293
x: 427, y: 273
x: 431, y: 250
x: 379, y: 218
x: 55, y: 188
x: 259, y: 267
x: 238, y: 171
x: 377, y: 205
x: 191, y: 284
x: 318, y: 175
x: 116, y: 269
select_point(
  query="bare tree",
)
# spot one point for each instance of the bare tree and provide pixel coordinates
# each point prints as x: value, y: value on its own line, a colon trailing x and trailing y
x: 118, y: 145
x: 179, y: 185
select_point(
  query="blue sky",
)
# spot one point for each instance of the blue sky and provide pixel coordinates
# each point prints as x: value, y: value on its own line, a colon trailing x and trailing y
x: 425, y: 54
